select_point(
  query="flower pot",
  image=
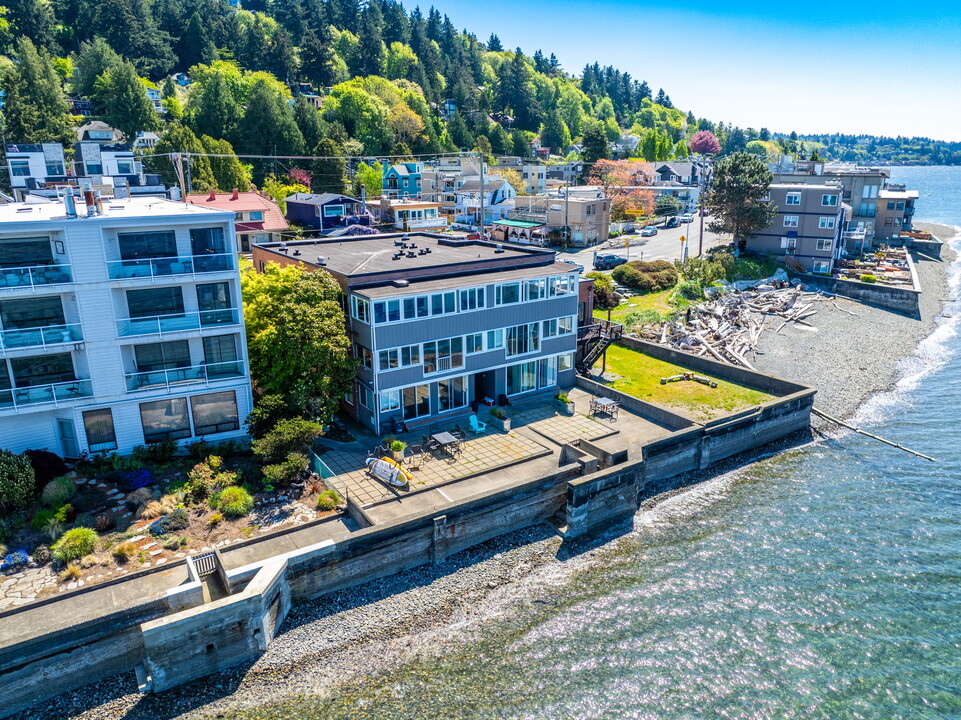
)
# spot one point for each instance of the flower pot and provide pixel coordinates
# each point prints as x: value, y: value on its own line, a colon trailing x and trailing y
x: 566, y: 408
x: 504, y: 425
x: 397, y: 455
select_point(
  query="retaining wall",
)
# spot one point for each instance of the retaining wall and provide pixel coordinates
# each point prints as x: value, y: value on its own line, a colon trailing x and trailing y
x: 900, y: 299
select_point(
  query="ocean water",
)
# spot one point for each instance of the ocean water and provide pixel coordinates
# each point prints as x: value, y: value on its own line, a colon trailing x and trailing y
x: 820, y: 583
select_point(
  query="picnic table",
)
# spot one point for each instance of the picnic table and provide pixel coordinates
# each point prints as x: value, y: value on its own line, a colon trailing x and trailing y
x: 447, y: 441
x: 606, y: 405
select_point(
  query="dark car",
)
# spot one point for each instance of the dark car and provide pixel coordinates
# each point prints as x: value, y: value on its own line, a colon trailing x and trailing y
x: 608, y: 262
x: 672, y: 223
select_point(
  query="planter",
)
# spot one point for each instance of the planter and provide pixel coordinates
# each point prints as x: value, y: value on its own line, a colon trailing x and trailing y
x: 397, y: 455
x: 502, y: 425
x: 566, y: 408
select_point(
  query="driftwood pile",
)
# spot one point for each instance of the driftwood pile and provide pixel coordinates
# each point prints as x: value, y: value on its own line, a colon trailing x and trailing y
x: 729, y: 327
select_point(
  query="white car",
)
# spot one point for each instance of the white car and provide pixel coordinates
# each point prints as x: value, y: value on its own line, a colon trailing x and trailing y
x: 687, y: 218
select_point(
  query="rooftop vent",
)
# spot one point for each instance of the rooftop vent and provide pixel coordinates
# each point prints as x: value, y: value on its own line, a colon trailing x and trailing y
x: 296, y: 252
x: 401, y: 283
x: 499, y: 248
x: 397, y: 257
x: 321, y: 261
x: 398, y: 241
x: 411, y: 253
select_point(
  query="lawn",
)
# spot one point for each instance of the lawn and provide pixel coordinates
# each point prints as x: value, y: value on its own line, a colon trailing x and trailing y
x: 656, y: 301
x: 640, y: 376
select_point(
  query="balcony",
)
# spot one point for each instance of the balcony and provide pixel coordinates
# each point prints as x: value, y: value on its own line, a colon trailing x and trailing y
x: 423, y: 223
x: 47, y: 336
x: 164, y: 267
x: 857, y: 234
x: 211, y: 372
x: 160, y: 324
x: 35, y: 276
x: 56, y: 394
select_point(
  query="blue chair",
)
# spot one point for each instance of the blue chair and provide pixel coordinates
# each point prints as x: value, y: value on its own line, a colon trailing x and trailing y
x: 476, y: 426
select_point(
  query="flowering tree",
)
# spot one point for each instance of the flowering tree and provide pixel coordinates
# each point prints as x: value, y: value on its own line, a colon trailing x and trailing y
x: 704, y: 143
x: 623, y: 182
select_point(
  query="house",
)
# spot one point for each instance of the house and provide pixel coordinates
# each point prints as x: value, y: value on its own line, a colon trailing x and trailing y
x: 155, y: 98
x: 412, y: 215
x: 257, y: 218
x: 568, y: 173
x: 326, y: 211
x: 120, y: 324
x: 808, y: 228
x: 80, y: 106
x: 573, y: 218
x: 682, y: 173
x: 493, y: 195
x: 439, y: 324
x: 98, y: 131
x: 403, y: 180
x: 533, y: 175
x: 895, y: 212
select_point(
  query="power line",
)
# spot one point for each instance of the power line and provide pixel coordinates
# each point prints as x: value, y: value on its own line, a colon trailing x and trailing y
x: 310, y: 157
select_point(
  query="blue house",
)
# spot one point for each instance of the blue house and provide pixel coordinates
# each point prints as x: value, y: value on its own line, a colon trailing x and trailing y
x: 326, y: 211
x: 403, y: 180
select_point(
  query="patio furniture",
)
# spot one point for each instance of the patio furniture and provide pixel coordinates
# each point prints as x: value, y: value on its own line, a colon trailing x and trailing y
x: 605, y: 405
x: 448, y: 442
x: 459, y: 433
x: 476, y: 426
x: 416, y: 457
x: 378, y: 451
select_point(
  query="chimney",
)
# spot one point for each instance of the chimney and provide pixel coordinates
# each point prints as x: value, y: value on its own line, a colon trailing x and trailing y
x: 212, y: 196
x: 235, y: 195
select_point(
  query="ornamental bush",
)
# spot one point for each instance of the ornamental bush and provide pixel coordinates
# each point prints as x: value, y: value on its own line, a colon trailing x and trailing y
x: 283, y: 473
x: 16, y: 480
x: 869, y: 279
x: 74, y: 544
x: 174, y: 522
x: 287, y: 436
x: 327, y: 500
x: 646, y: 276
x: 46, y: 466
x: 236, y: 502
x: 58, y: 491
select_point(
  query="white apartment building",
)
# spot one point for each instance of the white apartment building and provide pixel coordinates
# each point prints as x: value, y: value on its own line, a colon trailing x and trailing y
x: 119, y: 326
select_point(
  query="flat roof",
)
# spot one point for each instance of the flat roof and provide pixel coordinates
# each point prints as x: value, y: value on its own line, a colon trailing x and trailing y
x: 414, y: 287
x: 902, y: 194
x: 373, y: 254
x: 112, y: 209
x: 804, y: 186
x: 518, y: 223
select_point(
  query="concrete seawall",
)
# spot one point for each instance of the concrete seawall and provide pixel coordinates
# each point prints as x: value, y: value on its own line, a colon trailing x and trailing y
x: 900, y: 299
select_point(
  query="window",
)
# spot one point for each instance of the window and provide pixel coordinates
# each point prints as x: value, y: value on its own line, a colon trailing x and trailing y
x: 390, y: 400
x: 451, y: 394
x: 562, y: 285
x: 220, y: 354
x: 565, y: 362
x: 443, y: 303
x: 162, y: 356
x: 165, y: 420
x: 550, y: 328
x: 257, y: 215
x: 443, y: 355
x: 472, y: 299
x: 900, y: 205
x: 32, y: 313
x: 207, y: 241
x: 793, y: 198
x: 495, y: 339
x: 98, y: 426
x: 890, y: 204
x: 548, y: 372
x: 507, y: 294
x: 134, y: 246
x: 389, y: 359
x: 124, y: 167
x: 155, y: 301
x: 215, y: 413
x: 474, y: 343
x: 829, y: 200
x: 93, y: 168
x: 360, y: 309
x: 214, y: 302
x: 416, y: 401
x: 826, y: 223
x: 888, y: 221
x: 867, y: 209
x: 523, y: 339
x: 415, y: 307
x: 366, y: 396
x: 790, y: 221
x: 334, y: 211
x: 821, y: 266
x: 20, y: 168
x: 386, y: 311
x: 26, y: 252
x: 535, y: 289
x: 54, y: 167
x: 521, y: 378
x: 365, y: 355
x: 825, y: 244
x: 42, y: 370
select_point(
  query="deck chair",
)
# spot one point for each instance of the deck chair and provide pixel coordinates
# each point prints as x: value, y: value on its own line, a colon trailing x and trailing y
x: 476, y: 426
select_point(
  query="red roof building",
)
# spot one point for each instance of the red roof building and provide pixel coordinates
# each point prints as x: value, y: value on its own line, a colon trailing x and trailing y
x: 259, y: 219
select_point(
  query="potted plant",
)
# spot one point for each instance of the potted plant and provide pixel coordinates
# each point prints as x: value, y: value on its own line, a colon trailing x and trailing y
x: 397, y: 448
x: 500, y: 419
x: 564, y: 403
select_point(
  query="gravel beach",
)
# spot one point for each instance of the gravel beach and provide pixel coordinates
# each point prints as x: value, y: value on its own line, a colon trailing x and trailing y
x: 354, y: 633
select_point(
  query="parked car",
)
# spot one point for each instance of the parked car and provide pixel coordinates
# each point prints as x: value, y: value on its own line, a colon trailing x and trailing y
x: 672, y: 223
x: 649, y: 231
x: 687, y: 217
x: 608, y: 262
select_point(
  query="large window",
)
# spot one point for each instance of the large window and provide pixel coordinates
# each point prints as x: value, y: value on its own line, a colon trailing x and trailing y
x: 472, y: 298
x: 162, y: 356
x: 565, y: 362
x: 20, y: 168
x: 826, y: 223
x: 443, y: 303
x: 32, y: 313
x: 400, y: 357
x: 360, y: 309
x: 451, y: 394
x: 793, y: 198
x: 386, y: 311
x: 25, y: 252
x: 444, y: 355
x: 98, y: 425
x: 42, y: 370
x: 548, y: 372
x: 54, y: 167
x: 155, y: 301
x: 790, y: 221
x: 507, y: 294
x: 522, y: 339
x: 824, y: 244
x: 521, y: 377
x: 558, y: 326
x: 207, y: 241
x: 416, y: 401
x: 390, y: 400
x: 134, y: 246
x: 415, y: 307
x: 215, y: 413
x: 165, y: 420
x: 220, y: 356
x: 475, y: 343
x: 214, y: 302
x: 495, y: 339
x: 535, y: 289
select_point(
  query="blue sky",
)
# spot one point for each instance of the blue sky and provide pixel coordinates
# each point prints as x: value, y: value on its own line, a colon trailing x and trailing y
x: 883, y: 68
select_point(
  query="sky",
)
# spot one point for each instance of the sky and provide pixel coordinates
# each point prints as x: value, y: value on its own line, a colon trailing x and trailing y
x: 849, y: 66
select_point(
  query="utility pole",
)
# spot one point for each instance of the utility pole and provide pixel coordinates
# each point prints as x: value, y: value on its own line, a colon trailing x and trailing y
x: 567, y: 226
x: 483, y: 235
x: 190, y: 187
x: 701, y: 188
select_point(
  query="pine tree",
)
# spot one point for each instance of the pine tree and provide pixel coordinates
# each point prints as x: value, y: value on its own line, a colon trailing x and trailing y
x: 195, y: 46
x: 317, y: 60
x: 310, y: 122
x: 123, y: 95
x: 370, y: 56
x: 33, y: 19
x: 268, y: 125
x: 328, y: 173
x: 660, y: 96
x: 213, y: 110
x: 179, y: 139
x: 494, y: 44
x: 554, y: 132
x: 283, y: 63
x: 228, y: 172
x: 35, y: 110
x: 459, y: 134
x: 595, y: 144
x: 95, y: 58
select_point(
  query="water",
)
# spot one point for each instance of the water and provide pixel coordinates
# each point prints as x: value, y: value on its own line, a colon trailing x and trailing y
x: 822, y: 583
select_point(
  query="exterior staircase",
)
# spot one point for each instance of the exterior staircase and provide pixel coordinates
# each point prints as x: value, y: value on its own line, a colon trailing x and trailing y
x: 593, y: 340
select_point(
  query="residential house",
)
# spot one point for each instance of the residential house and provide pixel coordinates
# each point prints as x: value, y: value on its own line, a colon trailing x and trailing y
x: 412, y: 215
x: 403, y: 180
x: 683, y: 173
x: 326, y: 212
x: 98, y: 131
x: 120, y: 324
x: 895, y: 212
x: 155, y: 98
x: 493, y: 195
x: 808, y: 228
x: 533, y: 175
x: 568, y: 173
x: 439, y: 324
x: 579, y: 217
x: 257, y: 218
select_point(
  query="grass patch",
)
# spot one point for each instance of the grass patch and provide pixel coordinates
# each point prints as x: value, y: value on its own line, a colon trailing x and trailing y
x: 656, y: 301
x: 641, y: 377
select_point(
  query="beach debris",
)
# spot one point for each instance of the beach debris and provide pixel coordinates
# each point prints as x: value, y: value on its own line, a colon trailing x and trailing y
x: 689, y: 376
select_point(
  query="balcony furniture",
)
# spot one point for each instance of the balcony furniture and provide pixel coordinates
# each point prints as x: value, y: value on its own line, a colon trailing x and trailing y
x: 459, y: 433
x: 605, y: 406
x: 416, y: 457
x: 378, y: 451
x: 447, y: 442
x: 476, y: 426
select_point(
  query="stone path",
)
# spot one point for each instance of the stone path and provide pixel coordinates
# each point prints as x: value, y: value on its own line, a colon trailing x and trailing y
x: 23, y: 587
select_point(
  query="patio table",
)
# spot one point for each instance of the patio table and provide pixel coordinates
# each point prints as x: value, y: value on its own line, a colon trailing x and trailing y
x: 447, y: 441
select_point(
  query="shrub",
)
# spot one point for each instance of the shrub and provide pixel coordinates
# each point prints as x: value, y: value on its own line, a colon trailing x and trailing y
x: 157, y: 453
x: 562, y: 396
x: 53, y: 528
x: 868, y: 279
x: 16, y: 480
x: 46, y: 466
x: 130, y: 480
x: 14, y: 559
x: 287, y: 436
x: 691, y: 290
x: 236, y: 502
x: 138, y: 498
x: 646, y: 276
x: 398, y: 446
x: 42, y: 554
x: 103, y: 521
x: 327, y: 500
x: 285, y: 472
x: 172, y: 522
x: 199, y: 450
x: 74, y: 544
x: 123, y: 551
x: 175, y: 542
x: 269, y: 410
x: 153, y: 510
x: 204, y: 480
x: 71, y: 572
x: 215, y: 518
x: 498, y: 413
x: 58, y: 491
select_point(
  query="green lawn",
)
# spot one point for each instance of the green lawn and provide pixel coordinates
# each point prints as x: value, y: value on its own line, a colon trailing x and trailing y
x: 641, y: 377
x: 656, y: 301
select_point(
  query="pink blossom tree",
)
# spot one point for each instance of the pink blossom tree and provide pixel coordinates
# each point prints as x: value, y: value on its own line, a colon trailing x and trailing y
x: 704, y: 143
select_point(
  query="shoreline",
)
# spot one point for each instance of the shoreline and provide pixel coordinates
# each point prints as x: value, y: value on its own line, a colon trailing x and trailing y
x: 338, y: 639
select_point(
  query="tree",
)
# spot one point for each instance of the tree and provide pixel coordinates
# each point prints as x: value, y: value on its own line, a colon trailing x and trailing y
x: 317, y: 58
x: 94, y: 59
x: 269, y: 127
x: 196, y: 46
x: 622, y: 181
x: 16, y: 480
x: 310, y: 122
x: 459, y: 134
x: 369, y: 179
x: 35, y: 110
x: 595, y: 144
x: 405, y: 124
x: 178, y: 138
x: 514, y: 178
x: 296, y: 341
x: 605, y: 297
x: 229, y: 173
x: 329, y: 168
x: 494, y: 44
x: 704, y: 143
x: 370, y: 57
x: 212, y: 109
x: 739, y: 182
x: 121, y: 92
x: 280, y: 188
x: 554, y: 132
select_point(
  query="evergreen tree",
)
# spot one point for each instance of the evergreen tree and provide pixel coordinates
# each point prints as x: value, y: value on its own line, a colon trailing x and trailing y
x: 122, y: 94
x: 595, y: 144
x: 459, y: 134
x: 554, y: 132
x: 521, y: 144
x: 330, y: 168
x: 737, y: 186
x: 344, y: 14
x: 736, y: 141
x: 35, y: 110
x: 179, y: 139
x: 33, y: 19
x: 494, y: 44
x: 213, y: 110
x: 228, y: 172
x: 370, y: 56
x: 660, y: 96
x: 317, y: 58
x: 268, y: 126
x: 94, y: 59
x: 501, y: 143
x: 282, y: 61
x: 195, y: 46
x: 401, y: 152
x: 169, y: 89
x: 310, y: 122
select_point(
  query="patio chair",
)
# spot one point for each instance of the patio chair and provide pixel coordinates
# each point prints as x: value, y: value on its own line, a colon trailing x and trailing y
x: 458, y: 432
x: 378, y: 451
x: 476, y: 426
x: 417, y: 457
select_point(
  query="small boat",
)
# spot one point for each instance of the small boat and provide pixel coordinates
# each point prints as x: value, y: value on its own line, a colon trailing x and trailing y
x: 389, y: 471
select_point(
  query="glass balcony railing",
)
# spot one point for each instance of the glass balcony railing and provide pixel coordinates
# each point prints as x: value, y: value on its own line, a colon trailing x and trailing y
x: 210, y: 372
x: 56, y: 393
x: 40, y: 336
x: 36, y: 276
x: 163, y: 267
x: 159, y: 324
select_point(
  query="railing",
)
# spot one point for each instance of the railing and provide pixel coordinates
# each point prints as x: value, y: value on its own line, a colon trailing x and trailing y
x: 162, y: 267
x: 425, y: 222
x: 159, y: 324
x: 211, y: 372
x: 853, y: 234
x: 38, y: 275
x: 55, y: 393
x: 40, y: 336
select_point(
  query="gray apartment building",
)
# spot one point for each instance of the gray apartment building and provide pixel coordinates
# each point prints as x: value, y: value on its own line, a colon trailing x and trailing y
x: 438, y: 323
x: 808, y: 228
x: 895, y: 212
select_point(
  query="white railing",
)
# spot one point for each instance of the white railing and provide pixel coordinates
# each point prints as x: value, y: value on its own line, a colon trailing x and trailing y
x: 16, y: 338
x: 35, y: 276
x: 166, y: 266
x: 209, y: 372
x: 55, y: 393
x: 160, y: 324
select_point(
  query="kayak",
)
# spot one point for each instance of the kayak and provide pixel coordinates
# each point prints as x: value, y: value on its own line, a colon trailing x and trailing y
x: 389, y: 471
